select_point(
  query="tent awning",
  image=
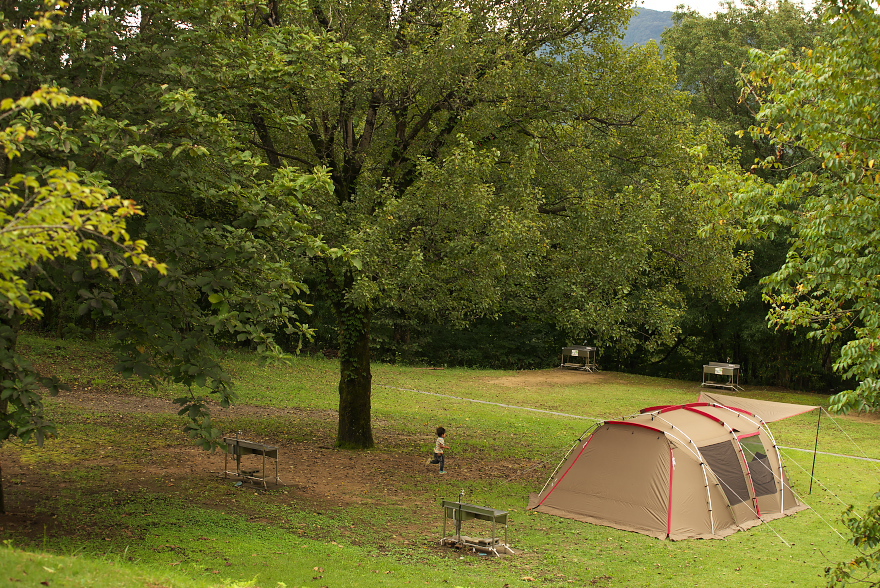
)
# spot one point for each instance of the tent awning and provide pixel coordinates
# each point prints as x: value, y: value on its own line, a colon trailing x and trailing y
x: 768, y: 411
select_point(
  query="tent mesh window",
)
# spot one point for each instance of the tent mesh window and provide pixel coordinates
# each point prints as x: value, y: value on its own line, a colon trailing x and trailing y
x: 725, y: 463
x: 759, y: 465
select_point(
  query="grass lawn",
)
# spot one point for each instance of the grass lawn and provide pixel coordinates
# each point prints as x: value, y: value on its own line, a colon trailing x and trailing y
x: 120, y: 498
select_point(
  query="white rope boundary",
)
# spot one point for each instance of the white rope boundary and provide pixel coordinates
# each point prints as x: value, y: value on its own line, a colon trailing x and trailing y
x: 577, y: 416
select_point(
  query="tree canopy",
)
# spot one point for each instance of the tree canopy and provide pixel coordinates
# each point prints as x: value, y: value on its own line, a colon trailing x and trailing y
x: 824, y: 104
x: 232, y: 237
x: 487, y: 158
x: 46, y: 213
x: 431, y: 162
x: 712, y: 50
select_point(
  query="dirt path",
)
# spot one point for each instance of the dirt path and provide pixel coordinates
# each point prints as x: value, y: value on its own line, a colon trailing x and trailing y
x: 313, y: 474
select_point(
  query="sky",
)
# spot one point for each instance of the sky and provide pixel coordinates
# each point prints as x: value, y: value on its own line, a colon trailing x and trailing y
x: 704, y: 7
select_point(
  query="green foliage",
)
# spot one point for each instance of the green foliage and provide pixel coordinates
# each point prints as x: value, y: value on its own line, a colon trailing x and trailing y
x: 828, y: 283
x: 865, y: 530
x: 438, y: 163
x: 505, y: 342
x: 822, y: 104
x: 46, y: 213
x: 711, y: 51
x: 234, y: 234
x: 22, y: 413
x: 49, y: 212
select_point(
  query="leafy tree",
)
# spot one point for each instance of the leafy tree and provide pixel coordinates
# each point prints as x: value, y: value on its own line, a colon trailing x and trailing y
x: 824, y: 103
x: 479, y: 159
x: 710, y: 53
x: 484, y: 159
x: 234, y: 235
x: 45, y: 213
x: 712, y: 50
x: 863, y: 569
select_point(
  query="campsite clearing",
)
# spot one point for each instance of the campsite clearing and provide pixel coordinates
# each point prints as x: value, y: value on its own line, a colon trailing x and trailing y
x: 123, y: 484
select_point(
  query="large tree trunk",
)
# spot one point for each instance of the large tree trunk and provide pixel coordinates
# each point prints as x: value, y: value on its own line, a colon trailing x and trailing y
x: 355, y: 378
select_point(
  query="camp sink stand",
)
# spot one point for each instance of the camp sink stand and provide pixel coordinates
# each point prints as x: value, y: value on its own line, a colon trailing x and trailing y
x: 722, y: 375
x: 460, y: 512
x: 580, y: 357
x: 239, y: 447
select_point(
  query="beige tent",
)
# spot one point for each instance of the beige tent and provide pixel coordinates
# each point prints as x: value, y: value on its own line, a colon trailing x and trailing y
x: 699, y: 470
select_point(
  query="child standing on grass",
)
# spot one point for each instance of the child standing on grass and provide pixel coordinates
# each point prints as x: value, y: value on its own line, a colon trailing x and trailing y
x: 439, y: 446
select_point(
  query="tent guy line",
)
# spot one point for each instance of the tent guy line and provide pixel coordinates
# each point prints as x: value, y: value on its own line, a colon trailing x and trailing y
x: 576, y: 416
x: 562, y: 414
x: 831, y: 454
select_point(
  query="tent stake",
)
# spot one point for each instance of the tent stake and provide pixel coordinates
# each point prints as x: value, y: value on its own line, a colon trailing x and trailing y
x: 815, y: 450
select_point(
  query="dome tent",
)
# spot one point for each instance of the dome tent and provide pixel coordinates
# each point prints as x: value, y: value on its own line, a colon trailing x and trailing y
x: 702, y: 470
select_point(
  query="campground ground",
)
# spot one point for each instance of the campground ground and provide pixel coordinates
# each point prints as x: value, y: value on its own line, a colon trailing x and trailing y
x: 123, y: 483
x: 312, y: 471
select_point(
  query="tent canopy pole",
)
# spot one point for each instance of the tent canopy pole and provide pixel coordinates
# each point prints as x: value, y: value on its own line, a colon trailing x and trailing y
x: 815, y: 450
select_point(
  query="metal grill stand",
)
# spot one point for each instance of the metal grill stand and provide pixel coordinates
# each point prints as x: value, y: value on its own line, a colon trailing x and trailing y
x: 722, y: 375
x: 239, y: 447
x: 580, y: 357
x: 461, y: 511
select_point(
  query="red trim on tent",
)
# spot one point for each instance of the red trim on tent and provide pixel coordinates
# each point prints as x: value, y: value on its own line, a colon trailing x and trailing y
x: 671, y: 408
x: 693, y: 408
x: 671, y: 475
x: 705, y: 414
x: 653, y: 408
x: 633, y: 425
x: 684, y: 406
x: 562, y: 477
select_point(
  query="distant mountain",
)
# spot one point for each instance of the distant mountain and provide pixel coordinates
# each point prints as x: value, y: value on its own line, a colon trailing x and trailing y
x: 646, y: 25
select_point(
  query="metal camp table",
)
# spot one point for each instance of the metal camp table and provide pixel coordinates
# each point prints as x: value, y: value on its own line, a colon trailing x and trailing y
x: 462, y: 511
x: 721, y: 375
x: 579, y: 357
x: 239, y: 447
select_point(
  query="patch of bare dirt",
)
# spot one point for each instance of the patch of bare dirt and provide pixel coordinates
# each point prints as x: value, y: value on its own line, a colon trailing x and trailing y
x: 555, y: 377
x: 312, y: 474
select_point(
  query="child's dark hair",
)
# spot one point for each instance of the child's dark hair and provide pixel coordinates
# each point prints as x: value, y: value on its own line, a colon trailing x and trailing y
x: 441, y: 431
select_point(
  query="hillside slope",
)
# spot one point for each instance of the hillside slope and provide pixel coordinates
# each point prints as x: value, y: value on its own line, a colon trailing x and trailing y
x: 646, y: 25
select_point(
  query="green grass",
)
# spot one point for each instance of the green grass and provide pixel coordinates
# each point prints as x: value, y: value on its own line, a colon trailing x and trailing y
x: 206, y: 532
x: 31, y: 569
